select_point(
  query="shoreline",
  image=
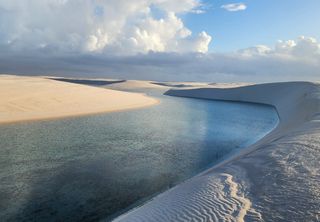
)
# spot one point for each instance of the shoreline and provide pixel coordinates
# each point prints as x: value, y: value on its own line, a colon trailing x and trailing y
x: 251, y: 179
x: 71, y: 116
x: 29, y: 99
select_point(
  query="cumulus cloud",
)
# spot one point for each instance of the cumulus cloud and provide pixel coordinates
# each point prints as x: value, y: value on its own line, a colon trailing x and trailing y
x: 98, y: 26
x: 285, y: 61
x: 304, y: 48
x: 233, y: 7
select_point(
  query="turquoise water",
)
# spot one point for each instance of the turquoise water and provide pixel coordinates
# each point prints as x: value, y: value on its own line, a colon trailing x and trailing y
x: 94, y: 167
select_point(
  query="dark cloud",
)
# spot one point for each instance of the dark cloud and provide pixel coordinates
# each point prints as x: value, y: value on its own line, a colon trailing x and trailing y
x: 213, y: 67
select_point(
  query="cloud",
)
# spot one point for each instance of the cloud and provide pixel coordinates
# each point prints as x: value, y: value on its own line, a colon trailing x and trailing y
x: 233, y: 7
x: 285, y: 61
x: 98, y: 26
x: 137, y: 39
x: 304, y: 48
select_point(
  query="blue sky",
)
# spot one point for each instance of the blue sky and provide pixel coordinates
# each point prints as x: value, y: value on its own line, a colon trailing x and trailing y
x: 263, y: 22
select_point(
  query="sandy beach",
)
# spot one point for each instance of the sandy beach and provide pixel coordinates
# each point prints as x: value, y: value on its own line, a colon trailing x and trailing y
x: 35, y: 98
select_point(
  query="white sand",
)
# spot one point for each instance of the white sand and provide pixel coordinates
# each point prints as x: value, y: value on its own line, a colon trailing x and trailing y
x: 34, y: 98
x: 138, y: 84
x: 143, y: 84
x: 276, y: 179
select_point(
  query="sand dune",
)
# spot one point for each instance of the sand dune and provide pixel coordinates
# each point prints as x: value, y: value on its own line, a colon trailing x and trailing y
x: 209, y: 198
x: 90, y: 82
x: 140, y: 84
x: 276, y: 179
x: 143, y: 84
x: 136, y: 84
x: 31, y: 98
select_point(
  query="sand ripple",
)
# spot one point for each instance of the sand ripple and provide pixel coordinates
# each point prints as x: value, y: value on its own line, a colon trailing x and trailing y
x: 205, y: 198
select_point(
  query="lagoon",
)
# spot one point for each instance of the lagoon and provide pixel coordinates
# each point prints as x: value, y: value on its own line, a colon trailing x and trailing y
x: 95, y: 167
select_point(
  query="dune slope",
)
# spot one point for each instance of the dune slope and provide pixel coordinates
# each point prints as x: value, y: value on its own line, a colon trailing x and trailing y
x: 276, y: 179
x: 32, y: 98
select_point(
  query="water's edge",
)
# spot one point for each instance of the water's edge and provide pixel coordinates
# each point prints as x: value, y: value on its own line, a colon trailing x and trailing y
x: 236, y: 153
x: 281, y: 169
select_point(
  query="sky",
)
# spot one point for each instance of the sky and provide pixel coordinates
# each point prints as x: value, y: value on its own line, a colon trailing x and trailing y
x: 182, y: 40
x: 262, y: 22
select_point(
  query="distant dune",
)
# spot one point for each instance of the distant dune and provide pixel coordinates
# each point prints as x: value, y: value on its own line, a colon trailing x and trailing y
x: 276, y: 179
x: 34, y: 98
x: 90, y: 82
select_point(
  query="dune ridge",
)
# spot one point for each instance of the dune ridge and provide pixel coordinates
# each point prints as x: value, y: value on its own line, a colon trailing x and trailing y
x: 276, y: 179
x: 35, y: 98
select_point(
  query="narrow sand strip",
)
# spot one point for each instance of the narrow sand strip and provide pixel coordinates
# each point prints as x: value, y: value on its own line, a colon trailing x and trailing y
x: 35, y: 98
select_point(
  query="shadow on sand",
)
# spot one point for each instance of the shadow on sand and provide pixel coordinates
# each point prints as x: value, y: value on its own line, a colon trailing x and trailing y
x: 90, y: 82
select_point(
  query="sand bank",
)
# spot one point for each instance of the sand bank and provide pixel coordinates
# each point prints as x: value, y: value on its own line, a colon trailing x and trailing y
x: 126, y: 85
x: 276, y: 179
x: 34, y: 98
x: 145, y: 84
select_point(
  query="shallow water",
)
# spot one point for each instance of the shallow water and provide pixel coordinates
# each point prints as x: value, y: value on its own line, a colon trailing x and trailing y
x: 94, y: 167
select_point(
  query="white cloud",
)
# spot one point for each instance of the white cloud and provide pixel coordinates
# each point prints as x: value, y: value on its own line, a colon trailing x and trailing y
x: 255, y: 50
x: 233, y: 7
x: 286, y: 61
x: 98, y: 26
x: 304, y: 48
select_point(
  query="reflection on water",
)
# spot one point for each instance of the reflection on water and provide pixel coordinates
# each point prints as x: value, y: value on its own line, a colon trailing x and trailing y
x: 94, y: 167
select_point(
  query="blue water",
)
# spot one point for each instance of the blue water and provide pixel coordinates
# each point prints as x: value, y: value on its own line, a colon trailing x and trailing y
x: 94, y: 167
